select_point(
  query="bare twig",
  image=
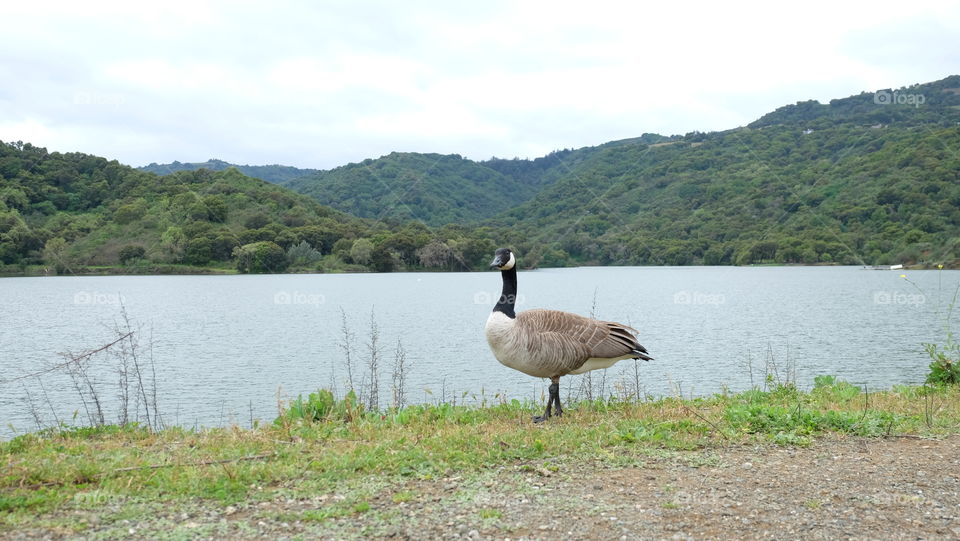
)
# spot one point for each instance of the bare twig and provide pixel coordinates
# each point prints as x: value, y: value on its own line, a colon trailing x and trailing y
x: 34, y: 411
x: 49, y: 403
x: 399, y: 375
x: 71, y: 360
x: 373, y: 347
x: 708, y: 421
x: 346, y: 344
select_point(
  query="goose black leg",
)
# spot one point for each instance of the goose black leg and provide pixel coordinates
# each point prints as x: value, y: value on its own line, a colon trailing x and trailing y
x: 552, y: 400
x: 555, y: 391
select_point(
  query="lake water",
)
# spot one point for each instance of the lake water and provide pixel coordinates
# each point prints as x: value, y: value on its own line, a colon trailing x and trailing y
x: 225, y: 347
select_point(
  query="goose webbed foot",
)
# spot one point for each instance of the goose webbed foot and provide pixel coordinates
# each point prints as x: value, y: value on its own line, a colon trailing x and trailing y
x: 553, y: 400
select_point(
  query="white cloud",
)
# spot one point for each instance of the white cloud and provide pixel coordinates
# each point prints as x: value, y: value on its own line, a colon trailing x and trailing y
x: 317, y: 85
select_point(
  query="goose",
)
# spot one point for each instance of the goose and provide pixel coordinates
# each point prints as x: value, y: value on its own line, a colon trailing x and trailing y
x: 550, y: 343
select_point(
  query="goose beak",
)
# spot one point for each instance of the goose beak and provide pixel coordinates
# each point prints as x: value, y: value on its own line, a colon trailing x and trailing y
x: 496, y: 263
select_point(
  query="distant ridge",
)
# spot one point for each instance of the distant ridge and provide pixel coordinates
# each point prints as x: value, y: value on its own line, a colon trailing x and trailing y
x: 270, y: 173
x: 870, y: 178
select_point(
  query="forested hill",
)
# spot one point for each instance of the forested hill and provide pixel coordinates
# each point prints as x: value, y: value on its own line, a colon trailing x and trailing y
x: 270, y: 173
x: 868, y: 179
x: 70, y: 211
x: 73, y: 213
x: 433, y: 188
x: 929, y: 104
x: 859, y: 180
x: 441, y: 189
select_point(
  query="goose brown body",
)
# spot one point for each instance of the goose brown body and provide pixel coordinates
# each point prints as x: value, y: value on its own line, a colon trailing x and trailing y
x: 550, y: 343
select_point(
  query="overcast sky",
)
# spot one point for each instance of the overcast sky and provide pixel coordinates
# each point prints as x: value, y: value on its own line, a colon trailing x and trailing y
x: 321, y: 84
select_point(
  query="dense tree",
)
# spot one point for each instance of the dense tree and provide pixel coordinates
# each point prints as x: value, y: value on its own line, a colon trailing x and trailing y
x: 131, y: 253
x: 437, y: 254
x: 261, y: 257
x: 361, y: 251
x: 303, y: 254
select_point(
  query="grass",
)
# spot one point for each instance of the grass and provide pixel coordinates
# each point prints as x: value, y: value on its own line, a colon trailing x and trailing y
x: 120, y: 472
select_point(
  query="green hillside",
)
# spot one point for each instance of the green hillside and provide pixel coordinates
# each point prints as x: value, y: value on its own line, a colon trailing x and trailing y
x: 868, y: 179
x: 433, y: 188
x: 75, y: 213
x: 270, y: 173
x: 852, y: 181
x: 72, y: 211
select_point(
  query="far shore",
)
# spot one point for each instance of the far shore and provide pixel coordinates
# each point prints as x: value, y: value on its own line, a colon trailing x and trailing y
x: 188, y: 270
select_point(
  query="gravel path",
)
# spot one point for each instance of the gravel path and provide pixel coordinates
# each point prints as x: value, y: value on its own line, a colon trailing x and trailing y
x: 852, y: 489
x: 896, y: 488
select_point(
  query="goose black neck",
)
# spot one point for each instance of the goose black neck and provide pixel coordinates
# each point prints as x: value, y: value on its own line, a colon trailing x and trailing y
x: 509, y: 295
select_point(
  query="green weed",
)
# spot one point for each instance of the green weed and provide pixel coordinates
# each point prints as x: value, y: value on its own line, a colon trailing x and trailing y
x: 490, y: 513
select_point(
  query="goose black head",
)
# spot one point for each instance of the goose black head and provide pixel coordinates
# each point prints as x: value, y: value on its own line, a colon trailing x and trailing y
x: 503, y: 259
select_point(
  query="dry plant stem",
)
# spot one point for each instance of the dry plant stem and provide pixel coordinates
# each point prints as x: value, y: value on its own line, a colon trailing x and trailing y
x: 70, y: 359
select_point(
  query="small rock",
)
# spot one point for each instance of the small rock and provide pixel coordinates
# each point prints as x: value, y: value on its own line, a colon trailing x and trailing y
x: 473, y: 534
x: 747, y: 465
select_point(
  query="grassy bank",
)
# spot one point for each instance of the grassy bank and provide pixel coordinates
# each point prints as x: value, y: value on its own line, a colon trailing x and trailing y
x: 119, y: 474
x: 114, y: 270
x: 330, y: 265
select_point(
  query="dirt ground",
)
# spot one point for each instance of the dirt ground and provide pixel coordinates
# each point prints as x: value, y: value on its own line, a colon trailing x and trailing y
x: 900, y: 488
x: 895, y: 488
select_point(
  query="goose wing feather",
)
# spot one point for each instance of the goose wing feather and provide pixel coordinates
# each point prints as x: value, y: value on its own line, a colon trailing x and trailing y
x: 555, y: 335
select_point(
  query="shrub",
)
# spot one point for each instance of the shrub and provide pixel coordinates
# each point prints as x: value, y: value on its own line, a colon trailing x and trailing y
x: 131, y: 253
x: 131, y: 212
x: 303, y: 254
x: 260, y: 257
x: 199, y: 251
x: 321, y: 406
x: 944, y: 370
x: 834, y: 389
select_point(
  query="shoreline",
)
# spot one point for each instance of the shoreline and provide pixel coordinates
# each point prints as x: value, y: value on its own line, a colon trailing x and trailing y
x: 176, y: 270
x: 832, y: 462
